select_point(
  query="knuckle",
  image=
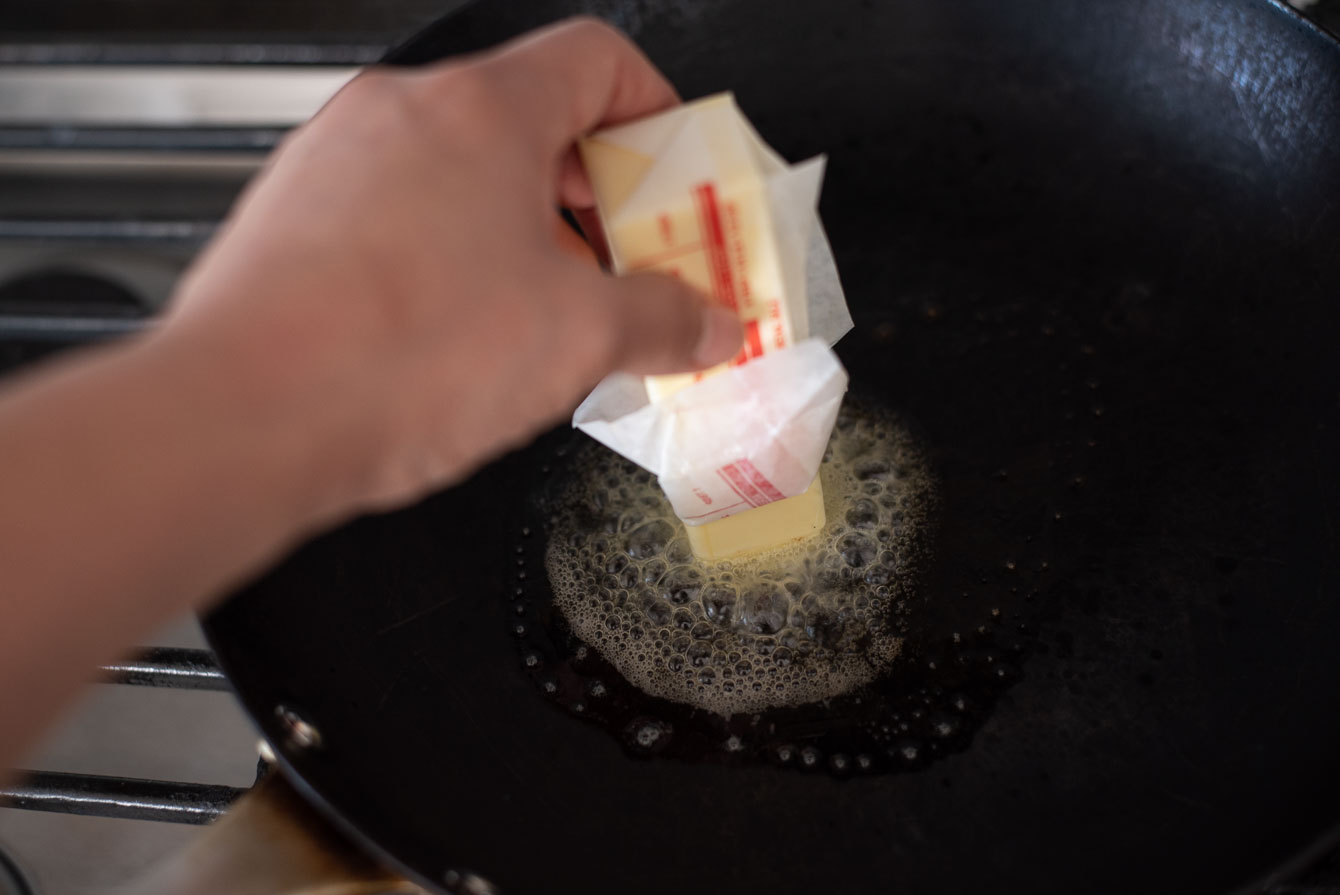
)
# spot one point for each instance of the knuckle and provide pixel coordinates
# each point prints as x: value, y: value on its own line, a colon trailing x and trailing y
x: 456, y: 103
x: 466, y: 100
x: 373, y: 88
x: 370, y: 104
x: 589, y: 36
x: 593, y: 29
x: 466, y: 87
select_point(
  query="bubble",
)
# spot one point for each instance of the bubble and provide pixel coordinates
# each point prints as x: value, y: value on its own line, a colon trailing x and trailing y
x: 764, y: 611
x: 719, y: 604
x: 796, y: 625
x: 649, y: 734
x: 945, y: 725
x: 652, y: 571
x: 679, y: 551
x: 857, y: 550
x: 873, y: 470
x: 863, y: 514
x: 682, y: 584
x: 906, y: 751
x: 656, y: 611
x: 879, y: 576
x: 649, y: 539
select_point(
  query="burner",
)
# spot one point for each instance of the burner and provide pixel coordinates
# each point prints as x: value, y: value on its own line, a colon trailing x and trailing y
x: 12, y: 882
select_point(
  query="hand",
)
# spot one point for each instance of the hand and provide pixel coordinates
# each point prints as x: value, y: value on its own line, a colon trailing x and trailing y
x: 393, y: 302
x: 400, y: 286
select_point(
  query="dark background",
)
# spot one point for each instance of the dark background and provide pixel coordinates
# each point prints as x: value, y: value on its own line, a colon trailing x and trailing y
x: 371, y: 22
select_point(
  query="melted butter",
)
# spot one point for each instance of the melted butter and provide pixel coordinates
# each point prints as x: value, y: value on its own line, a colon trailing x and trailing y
x: 808, y: 621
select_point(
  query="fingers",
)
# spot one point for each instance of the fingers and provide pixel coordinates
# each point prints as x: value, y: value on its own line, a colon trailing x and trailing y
x: 571, y: 78
x: 663, y: 326
x: 574, y: 187
x: 571, y: 243
x: 589, y: 220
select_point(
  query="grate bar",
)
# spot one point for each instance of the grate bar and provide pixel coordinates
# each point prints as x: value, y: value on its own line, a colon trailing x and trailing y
x: 36, y: 230
x: 248, y: 53
x: 166, y: 666
x: 140, y: 139
x: 67, y: 330
x: 93, y: 795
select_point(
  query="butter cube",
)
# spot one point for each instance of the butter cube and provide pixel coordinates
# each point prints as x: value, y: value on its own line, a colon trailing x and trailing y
x: 770, y: 525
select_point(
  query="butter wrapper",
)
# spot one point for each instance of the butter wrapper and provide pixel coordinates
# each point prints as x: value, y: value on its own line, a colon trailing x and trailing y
x: 695, y: 192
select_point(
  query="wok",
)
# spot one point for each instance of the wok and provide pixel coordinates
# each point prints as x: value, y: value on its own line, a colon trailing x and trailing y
x: 1091, y: 252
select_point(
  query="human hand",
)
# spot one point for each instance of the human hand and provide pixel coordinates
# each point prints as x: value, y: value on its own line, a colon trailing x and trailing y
x: 400, y: 289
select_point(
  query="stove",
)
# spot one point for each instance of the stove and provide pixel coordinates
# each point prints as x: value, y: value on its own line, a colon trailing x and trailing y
x: 121, y: 147
x: 117, y: 161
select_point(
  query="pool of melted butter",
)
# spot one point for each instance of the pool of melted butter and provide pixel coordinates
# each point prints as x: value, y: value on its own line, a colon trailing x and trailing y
x: 798, y: 624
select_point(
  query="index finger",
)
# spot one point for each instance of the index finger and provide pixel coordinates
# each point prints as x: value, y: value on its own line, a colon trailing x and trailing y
x: 571, y: 78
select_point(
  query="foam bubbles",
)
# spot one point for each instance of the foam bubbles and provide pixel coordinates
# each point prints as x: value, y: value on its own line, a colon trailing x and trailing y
x: 795, y: 625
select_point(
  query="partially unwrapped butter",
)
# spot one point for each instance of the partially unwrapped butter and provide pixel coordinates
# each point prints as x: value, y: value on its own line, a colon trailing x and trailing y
x: 694, y: 192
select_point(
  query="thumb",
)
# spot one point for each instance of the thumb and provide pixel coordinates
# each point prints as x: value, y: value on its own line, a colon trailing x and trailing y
x: 665, y: 326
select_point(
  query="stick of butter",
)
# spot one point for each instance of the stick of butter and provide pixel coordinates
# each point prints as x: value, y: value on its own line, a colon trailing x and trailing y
x: 705, y: 216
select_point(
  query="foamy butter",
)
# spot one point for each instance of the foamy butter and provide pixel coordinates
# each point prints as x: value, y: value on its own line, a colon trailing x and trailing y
x: 705, y: 217
x: 800, y: 623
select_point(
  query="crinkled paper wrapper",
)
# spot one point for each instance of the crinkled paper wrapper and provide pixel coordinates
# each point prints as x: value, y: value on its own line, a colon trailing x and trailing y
x: 775, y: 412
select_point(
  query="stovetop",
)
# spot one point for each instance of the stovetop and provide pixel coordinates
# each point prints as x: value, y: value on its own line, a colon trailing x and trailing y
x: 137, y: 732
x: 97, y: 219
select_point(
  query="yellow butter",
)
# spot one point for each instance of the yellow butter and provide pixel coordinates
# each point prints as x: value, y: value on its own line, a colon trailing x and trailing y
x: 705, y: 221
x: 770, y: 525
x: 685, y: 193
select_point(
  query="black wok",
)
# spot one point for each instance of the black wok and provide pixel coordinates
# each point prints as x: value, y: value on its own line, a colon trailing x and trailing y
x: 1091, y: 250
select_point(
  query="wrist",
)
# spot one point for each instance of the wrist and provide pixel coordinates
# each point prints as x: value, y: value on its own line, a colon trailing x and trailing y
x: 269, y: 402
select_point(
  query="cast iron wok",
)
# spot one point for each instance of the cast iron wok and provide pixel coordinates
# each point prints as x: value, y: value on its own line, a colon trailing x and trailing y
x: 1092, y: 250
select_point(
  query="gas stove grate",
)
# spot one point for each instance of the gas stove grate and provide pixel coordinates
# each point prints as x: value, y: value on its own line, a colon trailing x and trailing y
x: 97, y: 795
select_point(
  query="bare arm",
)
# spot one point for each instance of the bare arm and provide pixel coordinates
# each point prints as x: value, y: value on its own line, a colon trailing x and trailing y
x: 391, y: 304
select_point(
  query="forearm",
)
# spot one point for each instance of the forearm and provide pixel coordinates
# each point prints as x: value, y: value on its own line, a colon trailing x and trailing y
x: 138, y: 479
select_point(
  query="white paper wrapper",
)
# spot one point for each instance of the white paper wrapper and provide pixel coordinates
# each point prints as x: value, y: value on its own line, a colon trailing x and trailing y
x: 753, y: 433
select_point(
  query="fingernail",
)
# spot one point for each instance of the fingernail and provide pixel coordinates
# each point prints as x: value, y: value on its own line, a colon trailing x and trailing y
x: 720, y: 337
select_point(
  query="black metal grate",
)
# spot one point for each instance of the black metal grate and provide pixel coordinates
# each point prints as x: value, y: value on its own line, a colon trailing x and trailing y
x: 130, y: 798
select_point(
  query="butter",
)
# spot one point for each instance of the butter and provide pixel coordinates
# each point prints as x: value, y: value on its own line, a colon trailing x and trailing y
x: 713, y: 230
x: 770, y: 525
x: 685, y: 193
